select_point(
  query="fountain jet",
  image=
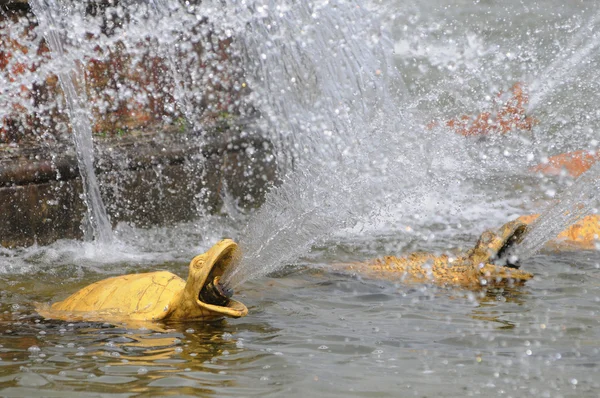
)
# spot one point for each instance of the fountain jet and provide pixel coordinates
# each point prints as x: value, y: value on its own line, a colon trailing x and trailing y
x: 573, y: 204
x: 72, y: 81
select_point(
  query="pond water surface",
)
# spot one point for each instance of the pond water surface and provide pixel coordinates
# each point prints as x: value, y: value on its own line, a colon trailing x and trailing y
x: 312, y: 332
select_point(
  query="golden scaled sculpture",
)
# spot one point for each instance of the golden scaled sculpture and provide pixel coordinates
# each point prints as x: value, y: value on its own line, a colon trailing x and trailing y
x: 157, y: 296
x: 473, y: 269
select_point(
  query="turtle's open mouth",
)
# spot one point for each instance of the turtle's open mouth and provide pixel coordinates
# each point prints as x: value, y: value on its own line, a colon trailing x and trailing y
x: 214, y: 295
x: 505, y: 255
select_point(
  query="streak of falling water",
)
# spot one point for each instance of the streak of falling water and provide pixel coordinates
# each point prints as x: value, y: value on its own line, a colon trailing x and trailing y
x: 572, y: 205
x: 71, y: 76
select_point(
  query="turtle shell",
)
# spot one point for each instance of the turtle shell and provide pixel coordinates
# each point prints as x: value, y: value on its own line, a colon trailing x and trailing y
x: 141, y: 297
x: 155, y: 296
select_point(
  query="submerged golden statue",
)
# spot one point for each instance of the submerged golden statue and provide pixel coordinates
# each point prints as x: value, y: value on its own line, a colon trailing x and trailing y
x: 156, y: 296
x: 481, y: 266
x: 473, y: 269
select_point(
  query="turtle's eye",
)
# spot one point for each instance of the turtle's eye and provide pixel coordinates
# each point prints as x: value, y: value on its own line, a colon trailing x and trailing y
x: 199, y: 263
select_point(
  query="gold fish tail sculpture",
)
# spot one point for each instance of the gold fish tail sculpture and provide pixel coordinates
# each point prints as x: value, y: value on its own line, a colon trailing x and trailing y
x: 475, y: 268
x: 157, y: 296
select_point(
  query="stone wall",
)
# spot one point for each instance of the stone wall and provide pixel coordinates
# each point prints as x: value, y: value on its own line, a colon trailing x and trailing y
x: 156, y: 164
x: 144, y: 179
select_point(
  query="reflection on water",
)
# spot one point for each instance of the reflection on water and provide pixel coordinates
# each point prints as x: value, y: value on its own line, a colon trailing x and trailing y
x: 193, y: 358
x: 489, y: 300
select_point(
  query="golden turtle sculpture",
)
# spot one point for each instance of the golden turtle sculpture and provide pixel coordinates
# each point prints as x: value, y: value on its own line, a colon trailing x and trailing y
x: 157, y: 296
x: 473, y: 269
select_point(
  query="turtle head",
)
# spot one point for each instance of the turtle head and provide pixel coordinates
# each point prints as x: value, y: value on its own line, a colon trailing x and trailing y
x: 493, y: 247
x: 204, y: 296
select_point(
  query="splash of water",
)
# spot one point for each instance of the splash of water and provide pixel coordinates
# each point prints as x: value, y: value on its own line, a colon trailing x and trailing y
x: 322, y: 74
x: 350, y: 144
x: 169, y: 45
x: 575, y: 202
x: 51, y: 18
x: 321, y: 83
x: 566, y: 66
x: 131, y: 248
